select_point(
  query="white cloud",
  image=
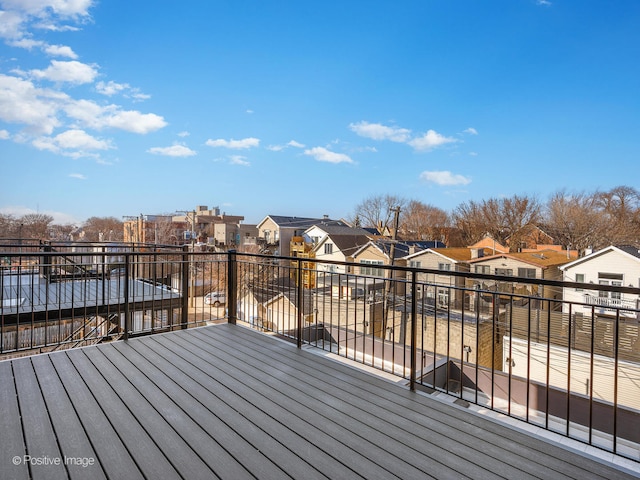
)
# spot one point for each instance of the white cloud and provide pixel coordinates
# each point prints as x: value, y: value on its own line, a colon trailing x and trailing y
x: 58, y: 217
x: 183, y: 134
x: 239, y: 160
x: 21, y: 102
x: 72, y: 71
x: 74, y: 143
x: 74, y: 139
x: 176, y: 150
x: 79, y: 176
x: 543, y: 2
x: 444, y: 178
x: 243, y: 144
x: 63, y: 8
x: 323, y: 155
x: 430, y: 140
x: 471, y: 131
x: 377, y: 131
x: 98, y: 117
x: 4, y: 135
x: 134, y: 121
x: 60, y: 51
x: 110, y: 88
x: 292, y: 143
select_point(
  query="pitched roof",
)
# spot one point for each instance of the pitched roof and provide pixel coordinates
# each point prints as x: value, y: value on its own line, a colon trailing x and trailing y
x: 402, y: 248
x: 624, y: 249
x: 302, y: 222
x: 542, y: 258
x: 630, y: 249
x: 347, y: 244
x: 340, y: 229
x: 458, y: 254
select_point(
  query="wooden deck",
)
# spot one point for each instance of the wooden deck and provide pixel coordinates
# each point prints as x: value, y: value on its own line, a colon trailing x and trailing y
x: 227, y: 402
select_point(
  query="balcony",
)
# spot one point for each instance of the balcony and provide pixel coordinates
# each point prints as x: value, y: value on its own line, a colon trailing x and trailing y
x: 301, y: 382
x: 611, y: 303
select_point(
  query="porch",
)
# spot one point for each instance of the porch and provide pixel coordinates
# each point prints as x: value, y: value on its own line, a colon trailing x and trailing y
x: 225, y: 401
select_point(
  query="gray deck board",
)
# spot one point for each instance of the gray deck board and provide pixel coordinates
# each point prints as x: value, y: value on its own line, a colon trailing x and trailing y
x: 74, y: 444
x: 440, y: 420
x: 382, y: 422
x: 40, y: 439
x: 227, y: 402
x: 148, y: 457
x: 215, y: 416
x: 332, y: 414
x: 11, y: 439
x: 111, y: 453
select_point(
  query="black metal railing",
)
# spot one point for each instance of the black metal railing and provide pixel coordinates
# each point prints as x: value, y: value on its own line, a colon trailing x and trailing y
x: 514, y: 345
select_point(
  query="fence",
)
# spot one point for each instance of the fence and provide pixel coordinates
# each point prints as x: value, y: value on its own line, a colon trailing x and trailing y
x: 507, y: 343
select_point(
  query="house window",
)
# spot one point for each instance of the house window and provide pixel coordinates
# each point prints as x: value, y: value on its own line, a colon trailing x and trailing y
x: 443, y: 297
x: 376, y: 272
x: 504, y: 271
x: 328, y: 248
x: 415, y: 264
x: 481, y: 269
x: 579, y: 279
x: 527, y: 272
x: 613, y: 279
x: 444, y: 266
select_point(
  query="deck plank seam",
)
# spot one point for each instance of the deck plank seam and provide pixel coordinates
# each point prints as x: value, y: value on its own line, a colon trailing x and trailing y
x: 259, y: 407
x: 398, y: 453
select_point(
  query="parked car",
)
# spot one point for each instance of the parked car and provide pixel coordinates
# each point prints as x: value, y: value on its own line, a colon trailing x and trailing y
x: 215, y: 298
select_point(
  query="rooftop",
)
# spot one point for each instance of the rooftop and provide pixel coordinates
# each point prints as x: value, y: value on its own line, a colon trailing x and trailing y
x: 228, y: 402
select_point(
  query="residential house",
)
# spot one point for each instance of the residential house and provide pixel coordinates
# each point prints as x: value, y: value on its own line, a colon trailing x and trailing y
x: 489, y: 242
x: 443, y: 289
x: 336, y: 243
x: 613, y: 265
x: 378, y: 252
x: 591, y: 322
x: 544, y: 264
x: 274, y: 305
x: 277, y: 231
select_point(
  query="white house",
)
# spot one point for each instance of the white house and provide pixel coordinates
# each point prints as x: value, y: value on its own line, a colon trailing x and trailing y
x: 616, y: 266
x: 337, y: 247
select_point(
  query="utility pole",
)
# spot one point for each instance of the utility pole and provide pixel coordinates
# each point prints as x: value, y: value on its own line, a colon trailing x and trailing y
x: 389, y: 282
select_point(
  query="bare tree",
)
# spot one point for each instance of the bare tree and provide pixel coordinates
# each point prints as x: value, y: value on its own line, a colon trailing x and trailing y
x: 35, y: 226
x: 424, y: 222
x: 469, y: 219
x: 165, y: 231
x: 574, y: 220
x: 620, y: 207
x: 507, y: 220
x: 103, y: 229
x: 377, y: 211
x: 8, y: 226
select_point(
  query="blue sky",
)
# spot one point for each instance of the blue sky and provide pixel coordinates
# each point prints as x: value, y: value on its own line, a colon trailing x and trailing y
x: 115, y: 108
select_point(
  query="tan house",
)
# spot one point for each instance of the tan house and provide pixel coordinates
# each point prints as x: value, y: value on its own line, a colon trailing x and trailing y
x: 490, y: 243
x: 445, y: 290
x: 277, y: 231
x: 543, y: 264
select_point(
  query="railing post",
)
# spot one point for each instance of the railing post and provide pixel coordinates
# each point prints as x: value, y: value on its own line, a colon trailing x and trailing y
x: 184, y: 320
x: 232, y: 287
x: 300, y: 304
x: 127, y: 310
x: 414, y: 335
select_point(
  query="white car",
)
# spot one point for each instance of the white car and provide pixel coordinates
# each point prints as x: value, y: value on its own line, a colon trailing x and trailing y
x: 215, y: 298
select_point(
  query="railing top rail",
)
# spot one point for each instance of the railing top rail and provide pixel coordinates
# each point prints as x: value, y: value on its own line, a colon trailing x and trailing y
x: 181, y: 250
